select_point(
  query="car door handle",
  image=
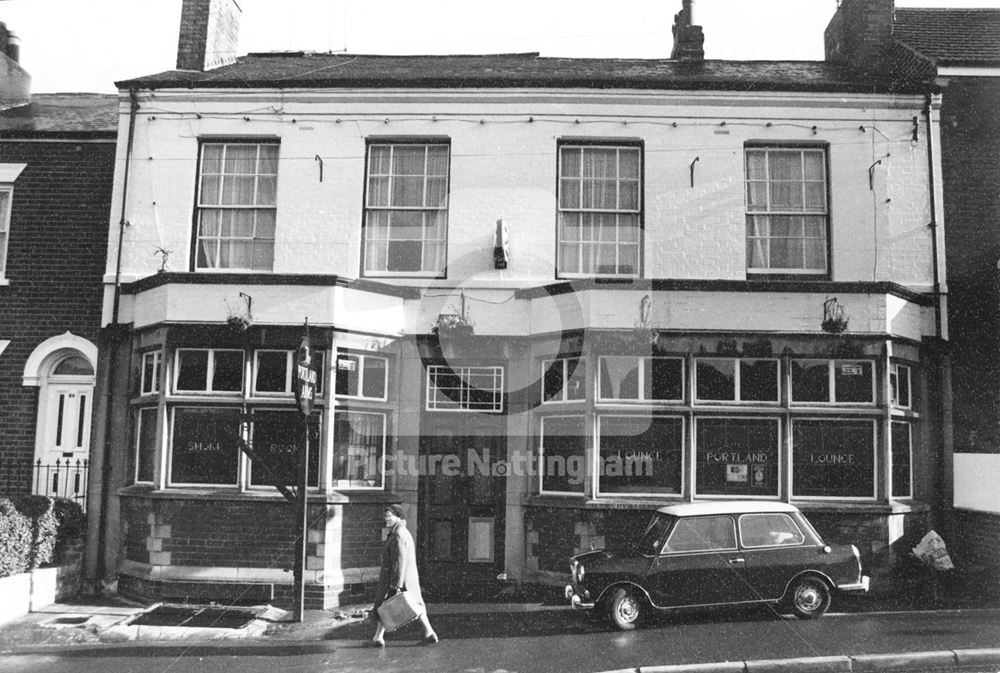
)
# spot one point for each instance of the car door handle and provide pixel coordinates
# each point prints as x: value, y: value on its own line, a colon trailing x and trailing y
x: 738, y: 559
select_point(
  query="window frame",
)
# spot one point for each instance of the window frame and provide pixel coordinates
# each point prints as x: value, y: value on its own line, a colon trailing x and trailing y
x: 893, y: 495
x: 154, y: 387
x: 566, y: 379
x: 200, y: 207
x: 711, y: 550
x: 5, y: 220
x: 598, y: 459
x: 779, y: 423
x: 787, y: 147
x: 462, y: 372
x: 606, y: 144
x: 289, y: 391
x: 785, y: 515
x: 362, y: 358
x: 138, y: 436
x: 249, y: 431
x: 209, y: 373
x: 392, y: 143
x: 831, y: 383
x: 894, y: 369
x: 834, y: 420
x: 737, y: 380
x: 339, y: 484
x: 541, y: 455
x: 240, y: 458
x: 643, y: 373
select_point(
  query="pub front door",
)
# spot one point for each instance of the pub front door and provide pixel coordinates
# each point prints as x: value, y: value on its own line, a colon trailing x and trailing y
x: 462, y: 500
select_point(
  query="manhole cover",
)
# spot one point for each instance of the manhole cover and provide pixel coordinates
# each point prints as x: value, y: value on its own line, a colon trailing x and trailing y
x: 195, y: 616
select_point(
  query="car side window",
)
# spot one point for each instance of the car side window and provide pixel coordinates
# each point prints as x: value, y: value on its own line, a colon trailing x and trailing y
x: 704, y: 533
x: 769, y: 530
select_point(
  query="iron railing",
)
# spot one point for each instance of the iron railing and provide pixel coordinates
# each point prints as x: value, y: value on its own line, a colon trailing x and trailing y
x: 65, y: 478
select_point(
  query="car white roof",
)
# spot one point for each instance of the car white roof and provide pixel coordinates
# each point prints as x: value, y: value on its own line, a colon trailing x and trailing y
x: 726, y: 507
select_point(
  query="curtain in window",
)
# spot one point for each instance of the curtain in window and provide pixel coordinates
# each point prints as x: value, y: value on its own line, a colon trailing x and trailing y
x: 358, y: 446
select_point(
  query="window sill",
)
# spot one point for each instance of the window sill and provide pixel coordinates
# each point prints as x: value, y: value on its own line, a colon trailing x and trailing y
x: 257, y: 495
x: 571, y: 501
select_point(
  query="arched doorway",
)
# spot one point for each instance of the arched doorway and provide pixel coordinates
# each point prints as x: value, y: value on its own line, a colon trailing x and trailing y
x: 63, y: 370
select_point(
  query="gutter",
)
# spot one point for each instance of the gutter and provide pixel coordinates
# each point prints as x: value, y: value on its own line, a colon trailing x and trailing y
x: 112, y: 366
x: 933, y: 224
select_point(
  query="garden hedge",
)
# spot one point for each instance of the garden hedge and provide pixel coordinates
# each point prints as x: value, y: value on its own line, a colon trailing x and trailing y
x: 36, y: 530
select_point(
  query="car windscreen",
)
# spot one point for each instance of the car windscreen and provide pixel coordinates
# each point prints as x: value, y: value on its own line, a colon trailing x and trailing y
x: 649, y: 542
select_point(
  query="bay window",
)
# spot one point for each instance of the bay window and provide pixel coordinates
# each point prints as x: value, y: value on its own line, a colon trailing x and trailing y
x: 736, y: 380
x: 564, y: 380
x: 359, y: 446
x: 639, y: 455
x: 562, y: 454
x: 737, y: 456
x: 640, y: 379
x: 833, y: 458
x: 833, y: 381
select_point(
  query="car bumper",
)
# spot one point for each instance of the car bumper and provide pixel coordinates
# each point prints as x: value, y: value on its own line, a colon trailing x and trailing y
x: 575, y: 601
x: 856, y: 587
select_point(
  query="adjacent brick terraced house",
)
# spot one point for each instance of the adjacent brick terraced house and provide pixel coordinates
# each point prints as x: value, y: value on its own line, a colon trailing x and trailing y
x: 57, y: 156
x: 546, y: 294
x: 959, y: 50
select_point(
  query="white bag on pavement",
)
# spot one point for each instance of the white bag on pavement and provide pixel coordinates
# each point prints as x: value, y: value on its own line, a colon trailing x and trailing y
x: 931, y: 551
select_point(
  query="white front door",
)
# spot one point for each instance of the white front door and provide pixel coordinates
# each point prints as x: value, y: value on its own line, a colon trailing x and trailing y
x: 63, y: 444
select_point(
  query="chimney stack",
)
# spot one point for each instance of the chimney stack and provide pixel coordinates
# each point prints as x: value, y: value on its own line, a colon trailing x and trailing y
x: 209, y: 34
x: 859, y: 33
x: 15, y: 82
x: 689, y: 41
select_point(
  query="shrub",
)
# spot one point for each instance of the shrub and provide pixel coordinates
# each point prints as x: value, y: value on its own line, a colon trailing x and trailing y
x: 36, y: 529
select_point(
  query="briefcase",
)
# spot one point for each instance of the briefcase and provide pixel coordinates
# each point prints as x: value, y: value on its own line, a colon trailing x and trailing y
x: 397, y: 611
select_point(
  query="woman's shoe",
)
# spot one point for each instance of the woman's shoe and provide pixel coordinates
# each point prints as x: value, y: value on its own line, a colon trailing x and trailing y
x: 375, y: 643
x: 429, y: 640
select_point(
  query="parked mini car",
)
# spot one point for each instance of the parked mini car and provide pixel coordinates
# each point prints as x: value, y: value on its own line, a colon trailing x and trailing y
x: 716, y: 553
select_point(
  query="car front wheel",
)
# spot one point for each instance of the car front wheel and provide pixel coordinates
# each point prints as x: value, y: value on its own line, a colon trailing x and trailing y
x: 809, y: 597
x: 625, y: 609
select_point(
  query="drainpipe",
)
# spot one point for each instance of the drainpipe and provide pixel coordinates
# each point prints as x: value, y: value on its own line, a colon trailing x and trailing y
x: 112, y: 366
x: 933, y: 223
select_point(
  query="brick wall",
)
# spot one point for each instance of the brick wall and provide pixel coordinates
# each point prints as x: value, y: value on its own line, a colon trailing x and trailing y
x: 970, y: 150
x: 977, y: 540
x: 55, y: 260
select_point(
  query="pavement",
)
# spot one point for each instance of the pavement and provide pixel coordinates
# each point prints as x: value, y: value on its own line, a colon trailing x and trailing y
x: 112, y: 622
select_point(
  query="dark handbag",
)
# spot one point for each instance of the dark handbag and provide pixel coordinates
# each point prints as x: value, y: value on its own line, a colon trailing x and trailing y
x: 397, y: 611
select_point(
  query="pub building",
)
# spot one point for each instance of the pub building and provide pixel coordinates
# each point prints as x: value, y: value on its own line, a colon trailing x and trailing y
x: 702, y: 288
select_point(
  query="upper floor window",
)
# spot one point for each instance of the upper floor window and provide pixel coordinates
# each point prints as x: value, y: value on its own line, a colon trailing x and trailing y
x: 641, y: 379
x: 6, y: 196
x: 736, y: 380
x: 599, y: 210
x: 464, y: 388
x: 833, y: 381
x: 786, y: 210
x: 237, y: 206
x: 406, y: 209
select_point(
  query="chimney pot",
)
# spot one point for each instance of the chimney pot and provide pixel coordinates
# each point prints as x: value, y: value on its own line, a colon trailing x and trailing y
x: 689, y: 40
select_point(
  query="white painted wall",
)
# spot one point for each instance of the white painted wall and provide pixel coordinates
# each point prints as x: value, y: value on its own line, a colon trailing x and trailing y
x: 976, y: 479
x: 504, y: 166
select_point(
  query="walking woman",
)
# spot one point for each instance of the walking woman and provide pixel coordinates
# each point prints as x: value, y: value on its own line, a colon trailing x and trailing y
x: 399, y: 573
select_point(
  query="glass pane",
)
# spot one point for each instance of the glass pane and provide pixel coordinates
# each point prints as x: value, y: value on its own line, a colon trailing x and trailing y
x: 358, y: 448
x: 737, y: 456
x: 769, y: 530
x: 272, y: 372
x: 374, y: 379
x: 73, y: 366
x: 238, y: 190
x: 619, y: 378
x: 210, y: 186
x: 379, y: 159
x: 702, y: 534
x: 810, y: 381
x: 277, y: 441
x: 146, y: 444
x: 203, y: 446
x: 814, y: 168
x: 664, y: 379
x: 759, y: 380
x: 640, y: 454
x: 901, y: 459
x: 785, y: 165
x: 833, y: 458
x: 241, y: 159
x: 192, y: 370
x: 570, y: 165
x: 211, y: 158
x: 716, y: 379
x: 228, y: 374
x: 268, y: 160
x: 564, y: 467
x: 552, y: 380
x: 267, y: 189
x: 786, y: 195
x: 853, y: 381
x: 569, y: 193
x: 408, y: 159
x: 629, y: 164
x: 404, y: 256
x: 408, y: 192
x: 348, y: 375
x: 756, y: 196
x: 756, y: 165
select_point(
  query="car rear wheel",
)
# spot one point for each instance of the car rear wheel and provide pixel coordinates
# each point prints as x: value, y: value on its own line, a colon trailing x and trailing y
x: 809, y: 597
x: 625, y: 609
